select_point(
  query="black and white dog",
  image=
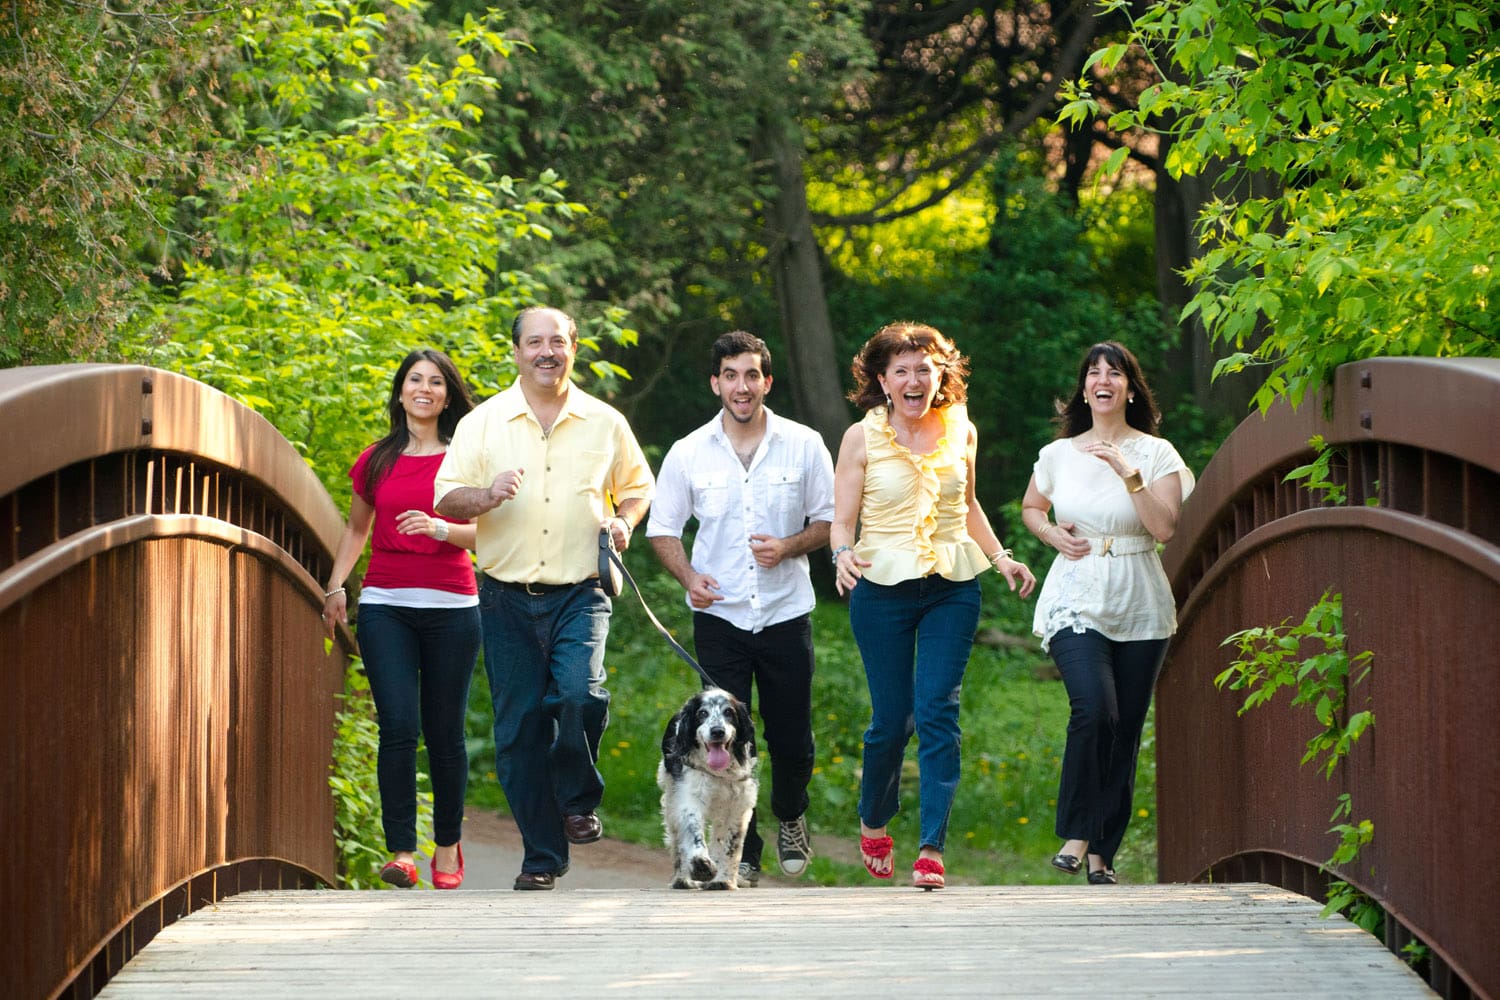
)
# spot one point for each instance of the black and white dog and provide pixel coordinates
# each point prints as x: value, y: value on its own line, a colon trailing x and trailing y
x: 708, y: 788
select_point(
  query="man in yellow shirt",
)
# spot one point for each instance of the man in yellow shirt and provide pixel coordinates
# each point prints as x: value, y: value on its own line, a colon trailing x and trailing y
x: 536, y: 466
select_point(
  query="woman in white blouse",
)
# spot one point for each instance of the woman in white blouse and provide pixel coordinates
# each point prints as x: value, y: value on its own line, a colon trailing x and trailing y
x: 1106, y: 611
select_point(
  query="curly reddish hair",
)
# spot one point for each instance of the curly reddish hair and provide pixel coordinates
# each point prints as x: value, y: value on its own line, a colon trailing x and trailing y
x: 898, y: 338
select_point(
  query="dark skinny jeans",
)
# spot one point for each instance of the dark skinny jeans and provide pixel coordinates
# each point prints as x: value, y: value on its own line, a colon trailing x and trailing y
x: 420, y: 662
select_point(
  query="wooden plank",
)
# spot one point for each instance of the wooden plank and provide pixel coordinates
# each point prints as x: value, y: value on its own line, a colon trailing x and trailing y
x: 1250, y: 941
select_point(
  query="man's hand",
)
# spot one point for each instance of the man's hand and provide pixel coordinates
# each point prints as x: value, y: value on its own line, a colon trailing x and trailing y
x: 768, y: 549
x: 619, y: 531
x: 703, y: 591
x: 506, y: 485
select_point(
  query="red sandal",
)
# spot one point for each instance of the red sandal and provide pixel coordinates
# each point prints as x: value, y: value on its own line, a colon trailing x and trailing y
x: 874, y: 849
x: 401, y: 874
x: 927, y: 874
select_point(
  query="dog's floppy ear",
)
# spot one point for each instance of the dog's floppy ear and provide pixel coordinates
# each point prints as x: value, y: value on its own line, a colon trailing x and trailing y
x: 680, y: 734
x: 744, y: 731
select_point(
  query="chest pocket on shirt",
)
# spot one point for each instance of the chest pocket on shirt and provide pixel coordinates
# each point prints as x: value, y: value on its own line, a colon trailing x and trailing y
x: 784, y: 489
x: 710, y: 494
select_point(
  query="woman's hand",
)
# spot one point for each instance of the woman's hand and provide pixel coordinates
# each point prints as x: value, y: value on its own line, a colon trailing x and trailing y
x: 1060, y: 536
x: 335, y: 611
x: 1017, y: 576
x: 848, y: 568
x: 414, y: 522
x: 1110, y: 453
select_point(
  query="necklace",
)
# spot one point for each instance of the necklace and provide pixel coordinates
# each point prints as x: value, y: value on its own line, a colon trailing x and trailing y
x: 421, y: 449
x: 1093, y: 435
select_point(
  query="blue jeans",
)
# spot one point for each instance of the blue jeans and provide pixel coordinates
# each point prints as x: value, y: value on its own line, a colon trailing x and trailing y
x: 779, y: 661
x: 420, y: 662
x: 544, y: 656
x: 914, y: 638
x: 1109, y: 690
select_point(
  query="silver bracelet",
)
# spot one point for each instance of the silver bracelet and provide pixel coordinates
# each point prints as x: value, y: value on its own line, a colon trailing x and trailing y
x: 1004, y: 553
x: 440, y: 529
x: 840, y: 551
x: 335, y: 590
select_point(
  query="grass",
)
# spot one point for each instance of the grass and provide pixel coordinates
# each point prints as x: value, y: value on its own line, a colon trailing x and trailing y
x: 1014, y: 718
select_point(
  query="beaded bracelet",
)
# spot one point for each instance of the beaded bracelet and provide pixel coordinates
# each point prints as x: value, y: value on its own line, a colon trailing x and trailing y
x: 840, y: 551
x: 335, y: 590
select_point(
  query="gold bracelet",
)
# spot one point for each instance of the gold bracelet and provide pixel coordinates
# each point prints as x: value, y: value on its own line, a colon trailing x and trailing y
x: 1133, y: 482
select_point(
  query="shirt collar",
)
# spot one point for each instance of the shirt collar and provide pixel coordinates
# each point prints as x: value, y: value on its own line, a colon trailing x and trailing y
x: 773, y: 422
x: 512, y: 404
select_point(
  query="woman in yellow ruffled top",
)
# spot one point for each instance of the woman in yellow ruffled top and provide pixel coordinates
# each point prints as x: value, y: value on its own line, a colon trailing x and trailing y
x: 905, y: 475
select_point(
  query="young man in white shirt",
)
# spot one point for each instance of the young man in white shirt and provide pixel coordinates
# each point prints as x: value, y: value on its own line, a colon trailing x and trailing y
x: 761, y: 489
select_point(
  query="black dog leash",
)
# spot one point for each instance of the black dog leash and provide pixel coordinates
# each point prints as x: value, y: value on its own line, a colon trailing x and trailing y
x: 611, y: 570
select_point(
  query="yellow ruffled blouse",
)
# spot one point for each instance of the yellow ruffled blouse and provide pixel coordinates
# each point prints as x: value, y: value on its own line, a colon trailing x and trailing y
x: 914, y: 510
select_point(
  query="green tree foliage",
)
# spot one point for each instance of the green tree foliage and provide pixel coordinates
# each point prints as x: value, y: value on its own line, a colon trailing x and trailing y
x: 1022, y: 296
x: 105, y: 117
x: 368, y: 224
x: 667, y: 114
x: 1377, y: 124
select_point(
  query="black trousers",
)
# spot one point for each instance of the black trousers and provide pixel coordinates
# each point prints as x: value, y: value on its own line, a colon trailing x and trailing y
x: 778, y: 662
x: 1109, y: 691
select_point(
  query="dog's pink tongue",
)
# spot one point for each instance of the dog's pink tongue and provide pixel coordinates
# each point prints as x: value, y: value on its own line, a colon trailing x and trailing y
x: 718, y: 758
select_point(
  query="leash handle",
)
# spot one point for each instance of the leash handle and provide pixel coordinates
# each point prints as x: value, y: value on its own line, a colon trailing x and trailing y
x: 608, y: 554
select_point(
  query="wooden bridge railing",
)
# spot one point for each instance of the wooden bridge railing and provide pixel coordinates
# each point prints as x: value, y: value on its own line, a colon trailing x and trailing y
x: 169, y: 706
x: 1415, y: 551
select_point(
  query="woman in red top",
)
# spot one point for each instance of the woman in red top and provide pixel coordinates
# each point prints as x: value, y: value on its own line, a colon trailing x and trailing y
x: 418, y: 622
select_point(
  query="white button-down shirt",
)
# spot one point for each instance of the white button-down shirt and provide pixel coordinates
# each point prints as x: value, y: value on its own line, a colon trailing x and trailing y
x: 789, y: 484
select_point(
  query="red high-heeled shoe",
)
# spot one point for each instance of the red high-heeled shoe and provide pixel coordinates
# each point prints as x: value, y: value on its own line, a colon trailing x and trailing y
x: 449, y: 880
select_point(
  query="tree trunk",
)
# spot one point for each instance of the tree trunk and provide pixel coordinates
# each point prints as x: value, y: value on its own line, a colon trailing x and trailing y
x: 1191, y: 362
x: 814, y: 367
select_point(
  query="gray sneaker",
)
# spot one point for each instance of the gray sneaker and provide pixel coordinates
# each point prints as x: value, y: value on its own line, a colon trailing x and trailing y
x: 749, y: 875
x: 793, y: 848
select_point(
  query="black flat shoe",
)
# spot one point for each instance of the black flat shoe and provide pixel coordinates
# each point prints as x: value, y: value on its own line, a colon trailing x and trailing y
x: 1104, y: 876
x: 1067, y: 863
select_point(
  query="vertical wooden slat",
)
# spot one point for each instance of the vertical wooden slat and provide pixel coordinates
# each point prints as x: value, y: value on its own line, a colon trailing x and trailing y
x: 119, y: 664
x: 1420, y: 577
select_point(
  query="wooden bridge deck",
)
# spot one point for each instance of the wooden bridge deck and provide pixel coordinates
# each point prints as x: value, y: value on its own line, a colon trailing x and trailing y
x: 1244, y: 940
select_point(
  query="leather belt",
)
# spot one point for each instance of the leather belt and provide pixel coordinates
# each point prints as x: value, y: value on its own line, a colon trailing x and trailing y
x: 1119, y: 545
x: 538, y: 589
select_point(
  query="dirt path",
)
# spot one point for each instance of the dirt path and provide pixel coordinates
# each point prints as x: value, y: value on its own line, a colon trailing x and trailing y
x: 492, y: 857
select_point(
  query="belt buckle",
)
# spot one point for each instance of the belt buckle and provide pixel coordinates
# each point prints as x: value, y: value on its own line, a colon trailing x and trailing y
x: 532, y: 593
x: 1104, y: 549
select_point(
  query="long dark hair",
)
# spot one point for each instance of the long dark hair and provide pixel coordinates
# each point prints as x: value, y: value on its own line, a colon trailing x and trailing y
x: 390, y: 447
x: 1074, y: 417
x: 898, y: 338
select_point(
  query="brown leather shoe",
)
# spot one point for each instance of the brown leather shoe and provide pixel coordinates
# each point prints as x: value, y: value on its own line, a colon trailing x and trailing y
x: 535, y: 880
x: 583, y: 829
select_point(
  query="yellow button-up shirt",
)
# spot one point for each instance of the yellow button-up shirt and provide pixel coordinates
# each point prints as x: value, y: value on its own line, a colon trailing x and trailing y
x: 549, y: 533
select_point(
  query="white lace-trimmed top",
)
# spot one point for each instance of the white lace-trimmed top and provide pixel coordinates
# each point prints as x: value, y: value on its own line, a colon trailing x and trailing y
x: 1119, y: 588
